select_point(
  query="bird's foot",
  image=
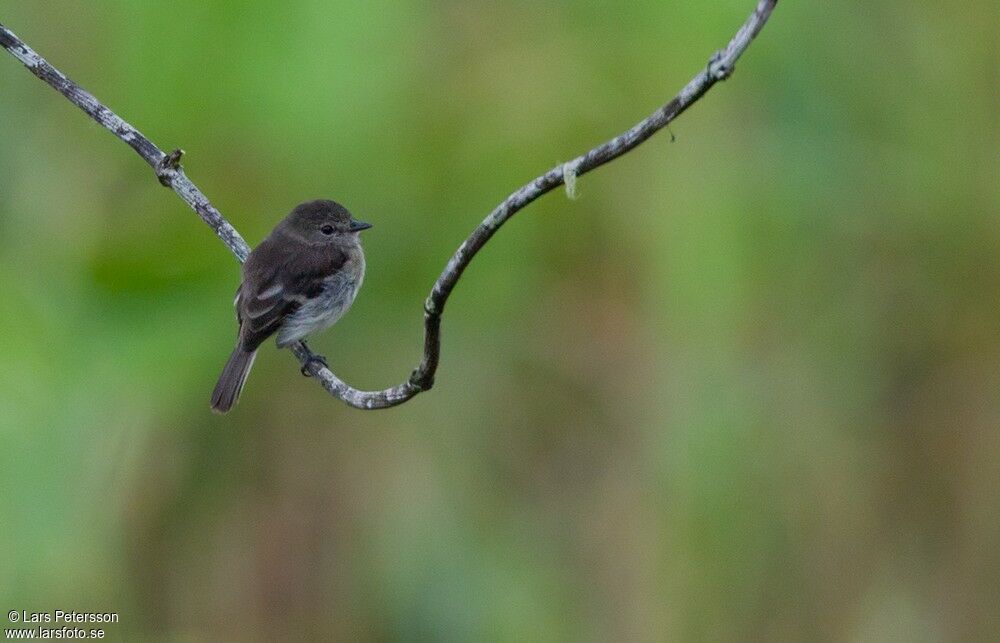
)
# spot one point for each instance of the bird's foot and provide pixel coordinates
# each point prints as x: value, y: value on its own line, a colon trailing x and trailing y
x: 313, y: 358
x: 317, y: 359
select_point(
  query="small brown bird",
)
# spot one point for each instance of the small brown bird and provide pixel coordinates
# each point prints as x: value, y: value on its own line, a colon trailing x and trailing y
x: 302, y: 278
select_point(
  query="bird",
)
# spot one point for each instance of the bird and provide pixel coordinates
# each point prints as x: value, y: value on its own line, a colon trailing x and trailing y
x: 301, y: 279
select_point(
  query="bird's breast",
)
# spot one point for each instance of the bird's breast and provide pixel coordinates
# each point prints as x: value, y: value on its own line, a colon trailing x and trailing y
x: 328, y: 305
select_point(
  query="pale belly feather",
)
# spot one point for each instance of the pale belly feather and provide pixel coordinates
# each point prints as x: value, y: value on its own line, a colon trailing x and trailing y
x: 322, y: 311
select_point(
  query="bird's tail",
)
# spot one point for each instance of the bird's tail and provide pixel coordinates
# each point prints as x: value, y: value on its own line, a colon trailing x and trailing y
x: 234, y: 376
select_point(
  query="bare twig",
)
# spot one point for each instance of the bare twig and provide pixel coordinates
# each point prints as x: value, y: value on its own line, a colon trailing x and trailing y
x: 170, y: 173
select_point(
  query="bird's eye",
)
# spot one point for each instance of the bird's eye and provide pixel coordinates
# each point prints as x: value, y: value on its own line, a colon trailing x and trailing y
x: 327, y: 229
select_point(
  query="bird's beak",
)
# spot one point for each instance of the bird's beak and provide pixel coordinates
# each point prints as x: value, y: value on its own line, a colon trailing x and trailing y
x: 358, y: 226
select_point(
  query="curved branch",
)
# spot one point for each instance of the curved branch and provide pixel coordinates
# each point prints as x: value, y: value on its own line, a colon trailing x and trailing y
x: 170, y: 173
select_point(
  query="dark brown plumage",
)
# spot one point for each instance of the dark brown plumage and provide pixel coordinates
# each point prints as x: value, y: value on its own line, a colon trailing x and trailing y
x: 302, y: 278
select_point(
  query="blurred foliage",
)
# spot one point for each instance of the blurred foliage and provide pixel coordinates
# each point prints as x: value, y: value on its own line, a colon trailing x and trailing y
x: 745, y: 387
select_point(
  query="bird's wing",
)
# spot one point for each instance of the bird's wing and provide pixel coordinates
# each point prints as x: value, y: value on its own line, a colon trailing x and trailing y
x: 278, y: 280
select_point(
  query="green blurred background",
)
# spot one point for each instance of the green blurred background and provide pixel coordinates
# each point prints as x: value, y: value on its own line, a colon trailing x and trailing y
x: 744, y: 388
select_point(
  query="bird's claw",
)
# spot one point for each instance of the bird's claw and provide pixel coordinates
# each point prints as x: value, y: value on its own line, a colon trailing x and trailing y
x: 313, y: 357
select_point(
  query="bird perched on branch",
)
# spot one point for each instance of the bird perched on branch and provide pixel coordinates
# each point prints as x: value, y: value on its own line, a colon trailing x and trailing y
x: 301, y: 279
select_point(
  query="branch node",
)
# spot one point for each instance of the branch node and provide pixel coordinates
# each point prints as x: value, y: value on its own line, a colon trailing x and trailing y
x: 421, y: 381
x: 717, y: 69
x: 168, y: 166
